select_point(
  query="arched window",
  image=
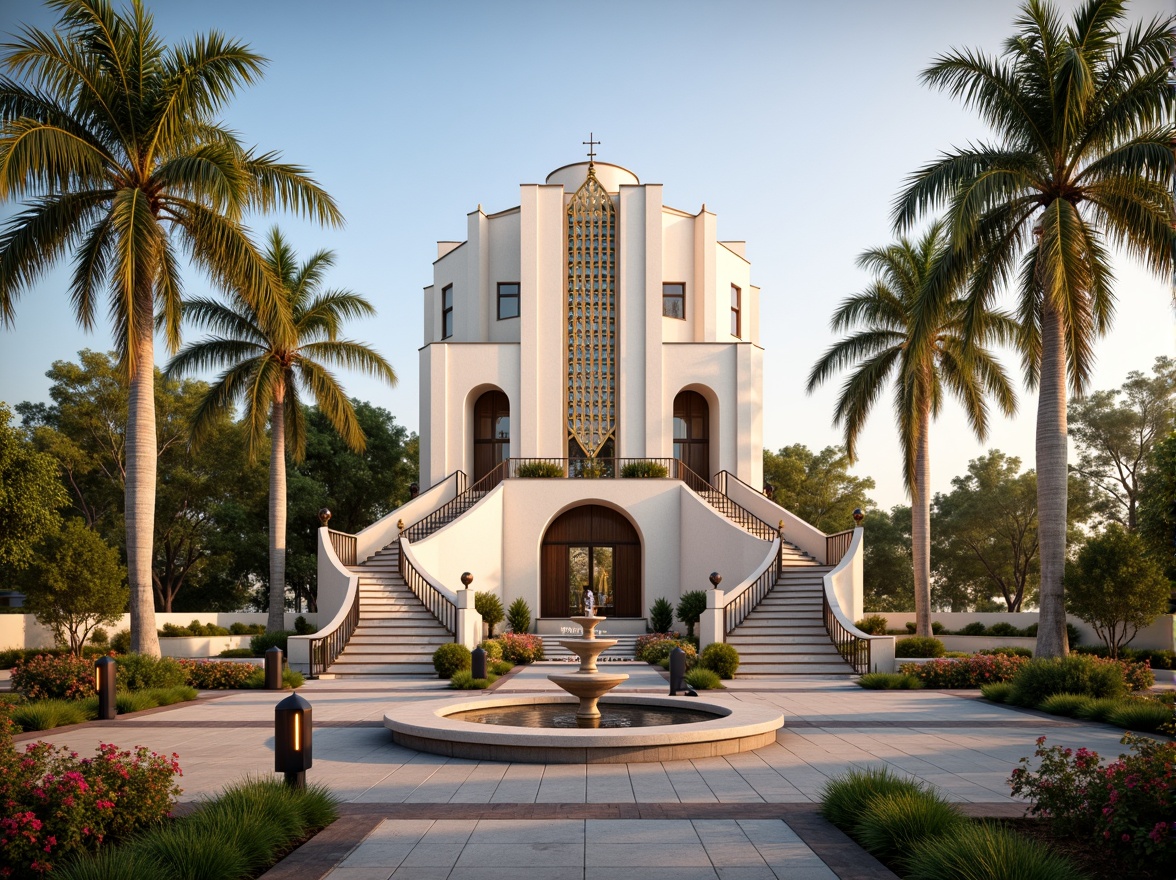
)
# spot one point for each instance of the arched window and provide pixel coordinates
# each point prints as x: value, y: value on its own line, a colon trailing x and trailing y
x: 591, y: 547
x: 491, y: 432
x: 692, y: 432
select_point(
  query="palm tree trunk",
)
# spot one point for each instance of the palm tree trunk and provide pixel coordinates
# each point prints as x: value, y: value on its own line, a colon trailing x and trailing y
x: 141, y: 454
x: 1051, y: 484
x: 277, y: 517
x: 921, y: 525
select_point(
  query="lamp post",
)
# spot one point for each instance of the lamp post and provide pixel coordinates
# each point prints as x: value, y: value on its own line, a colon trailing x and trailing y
x: 273, y: 669
x: 292, y: 739
x: 104, y: 672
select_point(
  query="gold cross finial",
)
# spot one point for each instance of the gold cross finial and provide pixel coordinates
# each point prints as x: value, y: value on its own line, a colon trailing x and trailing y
x: 590, y: 144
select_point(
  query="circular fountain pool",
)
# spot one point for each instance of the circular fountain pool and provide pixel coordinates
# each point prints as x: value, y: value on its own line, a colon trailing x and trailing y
x: 558, y: 715
x: 437, y: 726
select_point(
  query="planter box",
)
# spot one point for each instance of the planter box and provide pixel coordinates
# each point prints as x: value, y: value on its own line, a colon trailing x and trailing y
x: 200, y: 646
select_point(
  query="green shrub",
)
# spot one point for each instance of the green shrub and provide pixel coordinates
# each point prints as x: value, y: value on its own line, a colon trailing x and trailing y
x: 133, y: 701
x: 1006, y: 651
x: 262, y: 642
x: 1073, y: 674
x: 1004, y: 629
x: 499, y: 667
x: 646, y: 469
x: 463, y: 680
x: 690, y: 608
x: 120, y: 642
x: 889, y: 681
x: 101, y: 638
x: 652, y: 648
x: 893, y: 823
x: 720, y: 658
x: 975, y: 628
x: 918, y: 646
x: 518, y: 616
x: 1144, y: 716
x: 703, y: 679
x: 539, y: 469
x: 970, y: 671
x: 210, y: 675
x: 451, y: 658
x: 137, y: 672
x: 911, y: 627
x: 490, y: 607
x: 304, y: 627
x: 47, y: 714
x: 493, y: 649
x: 975, y: 851
x: 956, y: 655
x: 874, y: 625
x: 844, y: 798
x: 246, y: 629
x: 997, y: 691
x: 937, y: 628
x: 1064, y: 704
x: 236, y: 652
x: 661, y: 615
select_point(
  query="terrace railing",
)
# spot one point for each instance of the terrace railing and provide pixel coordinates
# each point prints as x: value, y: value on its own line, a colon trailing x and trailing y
x: 324, y: 649
x: 440, y: 605
x: 852, y: 647
x: 837, y: 545
x: 741, y: 605
x: 344, y: 546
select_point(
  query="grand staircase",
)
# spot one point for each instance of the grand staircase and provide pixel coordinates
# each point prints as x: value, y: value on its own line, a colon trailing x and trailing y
x: 784, y: 636
x: 397, y: 634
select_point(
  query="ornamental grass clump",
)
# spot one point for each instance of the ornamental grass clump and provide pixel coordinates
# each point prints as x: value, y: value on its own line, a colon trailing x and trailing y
x: 47, y: 714
x: 982, y: 851
x: 704, y: 679
x: 844, y: 798
x: 893, y: 823
x: 889, y: 681
x: 1065, y: 704
x: 998, y: 691
x: 1145, y: 716
x: 1124, y: 806
x: 463, y: 680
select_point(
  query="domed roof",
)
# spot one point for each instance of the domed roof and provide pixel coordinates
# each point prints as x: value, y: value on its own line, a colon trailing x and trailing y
x: 611, y: 177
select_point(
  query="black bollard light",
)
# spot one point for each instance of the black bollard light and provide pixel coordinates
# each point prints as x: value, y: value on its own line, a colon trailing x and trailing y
x: 292, y: 739
x: 104, y: 670
x: 478, y: 662
x: 677, y: 671
x: 273, y: 669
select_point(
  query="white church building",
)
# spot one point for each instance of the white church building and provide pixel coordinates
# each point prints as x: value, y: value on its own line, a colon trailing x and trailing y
x: 591, y: 400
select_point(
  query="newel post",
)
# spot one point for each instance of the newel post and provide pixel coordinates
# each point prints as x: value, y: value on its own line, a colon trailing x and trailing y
x: 469, y: 621
x: 710, y: 625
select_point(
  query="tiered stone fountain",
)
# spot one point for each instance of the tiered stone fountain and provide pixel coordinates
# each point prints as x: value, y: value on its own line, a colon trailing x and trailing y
x: 587, y: 683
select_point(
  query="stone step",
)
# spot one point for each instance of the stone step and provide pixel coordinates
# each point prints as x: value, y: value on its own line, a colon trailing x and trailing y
x: 381, y: 654
x: 367, y: 637
x: 809, y: 646
x: 395, y: 625
x: 343, y: 668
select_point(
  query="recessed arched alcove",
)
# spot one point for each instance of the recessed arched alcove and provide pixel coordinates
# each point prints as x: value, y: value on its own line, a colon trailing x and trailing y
x: 596, y: 547
x: 491, y: 432
x: 692, y: 432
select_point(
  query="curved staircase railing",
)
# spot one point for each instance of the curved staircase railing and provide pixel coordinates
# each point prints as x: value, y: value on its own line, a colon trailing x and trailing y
x: 724, y: 504
x: 325, y: 648
x: 466, y: 498
x: 344, y: 545
x: 440, y: 605
x: 837, y: 545
x: 742, y: 604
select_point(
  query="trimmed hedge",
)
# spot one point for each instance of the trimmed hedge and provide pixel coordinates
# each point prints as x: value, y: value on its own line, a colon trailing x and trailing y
x: 918, y: 646
x: 451, y: 658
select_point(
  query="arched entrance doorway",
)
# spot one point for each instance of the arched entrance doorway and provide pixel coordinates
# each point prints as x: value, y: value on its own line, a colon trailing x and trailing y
x: 692, y: 432
x: 590, y: 547
x: 491, y: 432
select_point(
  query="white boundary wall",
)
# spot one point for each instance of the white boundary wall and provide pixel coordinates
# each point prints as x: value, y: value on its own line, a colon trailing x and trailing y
x: 1161, y: 635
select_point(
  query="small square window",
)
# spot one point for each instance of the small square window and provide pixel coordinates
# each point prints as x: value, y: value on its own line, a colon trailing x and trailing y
x: 508, y: 299
x: 674, y: 300
x: 736, y: 324
x: 447, y: 311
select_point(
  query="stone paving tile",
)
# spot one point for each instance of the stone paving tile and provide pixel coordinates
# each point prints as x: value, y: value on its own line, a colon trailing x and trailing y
x: 515, y: 831
x: 522, y: 855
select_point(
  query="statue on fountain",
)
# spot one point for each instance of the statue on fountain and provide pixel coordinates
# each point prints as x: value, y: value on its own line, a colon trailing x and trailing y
x: 589, y: 604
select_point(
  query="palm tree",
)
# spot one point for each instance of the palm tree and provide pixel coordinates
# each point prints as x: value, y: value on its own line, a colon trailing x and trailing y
x: 269, y: 362
x: 110, y: 138
x: 925, y: 360
x: 1082, y: 159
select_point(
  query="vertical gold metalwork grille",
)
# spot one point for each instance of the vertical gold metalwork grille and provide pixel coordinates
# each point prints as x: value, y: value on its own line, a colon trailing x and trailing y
x: 592, y: 228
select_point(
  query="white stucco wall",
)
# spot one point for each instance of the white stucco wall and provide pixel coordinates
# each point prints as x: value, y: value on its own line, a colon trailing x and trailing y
x: 711, y: 542
x: 472, y: 543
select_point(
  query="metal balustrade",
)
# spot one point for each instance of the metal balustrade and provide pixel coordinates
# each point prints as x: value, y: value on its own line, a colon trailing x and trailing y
x: 740, y: 606
x: 325, y: 649
x: 344, y: 546
x: 837, y: 545
x: 853, y: 648
x: 438, y: 604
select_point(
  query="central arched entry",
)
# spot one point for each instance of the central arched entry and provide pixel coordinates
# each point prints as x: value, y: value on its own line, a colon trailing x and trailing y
x: 590, y: 547
x: 491, y: 432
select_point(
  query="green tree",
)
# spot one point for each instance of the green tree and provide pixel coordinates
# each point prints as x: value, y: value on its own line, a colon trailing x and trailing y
x: 927, y: 361
x: 30, y: 496
x: 1082, y: 158
x: 1116, y: 586
x: 817, y: 487
x: 270, y: 361
x: 888, y: 578
x: 111, y: 138
x: 1114, y: 440
x: 1157, y: 506
x: 75, y: 584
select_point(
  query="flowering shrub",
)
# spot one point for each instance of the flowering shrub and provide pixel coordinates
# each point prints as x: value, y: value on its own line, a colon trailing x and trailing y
x: 655, y: 647
x: 53, y: 804
x: 521, y: 647
x: 137, y: 672
x: 207, y: 675
x: 970, y: 672
x: 1078, y: 674
x: 1125, y: 804
x: 46, y: 677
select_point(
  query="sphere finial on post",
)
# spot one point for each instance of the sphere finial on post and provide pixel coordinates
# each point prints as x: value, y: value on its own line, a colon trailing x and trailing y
x: 467, y: 579
x: 858, y: 515
x: 715, y: 579
x: 324, y: 516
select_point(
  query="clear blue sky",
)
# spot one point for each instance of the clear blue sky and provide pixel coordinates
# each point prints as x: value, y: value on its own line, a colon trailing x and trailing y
x: 795, y: 123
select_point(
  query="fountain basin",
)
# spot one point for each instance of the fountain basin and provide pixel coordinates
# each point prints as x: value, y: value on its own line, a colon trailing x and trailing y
x: 425, y: 726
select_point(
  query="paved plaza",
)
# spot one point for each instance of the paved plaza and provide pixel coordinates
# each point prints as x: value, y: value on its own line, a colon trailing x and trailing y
x: 739, y: 817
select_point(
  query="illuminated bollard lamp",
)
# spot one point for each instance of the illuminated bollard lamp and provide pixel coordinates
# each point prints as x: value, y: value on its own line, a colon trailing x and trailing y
x: 104, y: 670
x: 292, y: 739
